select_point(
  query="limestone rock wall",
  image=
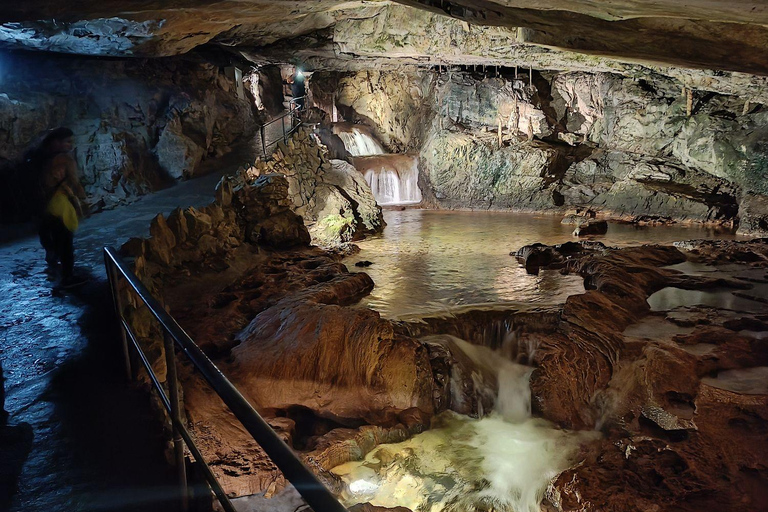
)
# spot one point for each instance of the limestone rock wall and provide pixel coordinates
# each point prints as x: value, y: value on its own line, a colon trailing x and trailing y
x: 396, y: 105
x: 139, y: 124
x: 634, y: 148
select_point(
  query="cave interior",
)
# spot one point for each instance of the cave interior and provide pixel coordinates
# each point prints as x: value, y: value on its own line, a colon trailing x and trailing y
x: 453, y: 256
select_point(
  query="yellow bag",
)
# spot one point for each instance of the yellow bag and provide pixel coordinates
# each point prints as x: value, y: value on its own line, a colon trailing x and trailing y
x: 60, y: 206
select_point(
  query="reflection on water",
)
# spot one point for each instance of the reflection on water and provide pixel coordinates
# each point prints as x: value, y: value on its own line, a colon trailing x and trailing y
x: 747, y: 301
x: 750, y: 381
x: 428, y: 261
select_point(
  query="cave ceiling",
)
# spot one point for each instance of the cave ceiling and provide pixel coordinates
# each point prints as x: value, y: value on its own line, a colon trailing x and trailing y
x: 717, y: 35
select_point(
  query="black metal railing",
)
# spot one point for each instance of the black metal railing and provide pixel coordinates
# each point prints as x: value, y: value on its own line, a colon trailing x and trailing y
x: 295, y: 107
x: 303, y: 479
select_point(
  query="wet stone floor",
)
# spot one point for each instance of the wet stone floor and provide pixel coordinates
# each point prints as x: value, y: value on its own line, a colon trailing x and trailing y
x: 78, y: 437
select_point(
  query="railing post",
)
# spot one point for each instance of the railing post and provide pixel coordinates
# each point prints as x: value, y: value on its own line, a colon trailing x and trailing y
x: 263, y: 140
x: 173, y: 396
x: 112, y: 275
x: 282, y: 123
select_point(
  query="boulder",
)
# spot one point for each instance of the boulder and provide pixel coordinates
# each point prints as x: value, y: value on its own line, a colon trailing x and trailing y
x: 177, y: 222
x: 198, y: 223
x: 162, y: 241
x: 592, y: 227
x: 282, y: 230
x: 334, y: 200
x: 177, y: 154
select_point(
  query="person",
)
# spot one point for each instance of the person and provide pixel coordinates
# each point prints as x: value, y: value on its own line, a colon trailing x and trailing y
x: 59, y: 221
x: 55, y: 151
x: 60, y: 203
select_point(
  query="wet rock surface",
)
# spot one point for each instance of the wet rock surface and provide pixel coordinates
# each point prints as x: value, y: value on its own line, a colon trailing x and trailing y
x: 666, y: 429
x: 240, y: 276
x: 336, y: 380
x: 65, y: 382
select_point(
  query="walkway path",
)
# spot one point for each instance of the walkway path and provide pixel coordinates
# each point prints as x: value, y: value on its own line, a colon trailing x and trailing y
x: 91, y: 442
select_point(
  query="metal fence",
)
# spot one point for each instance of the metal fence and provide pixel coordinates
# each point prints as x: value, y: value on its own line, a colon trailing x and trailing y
x: 306, y: 483
x: 295, y: 107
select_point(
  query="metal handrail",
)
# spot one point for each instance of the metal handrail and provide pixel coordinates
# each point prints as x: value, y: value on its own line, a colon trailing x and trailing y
x: 303, y: 479
x: 294, y: 109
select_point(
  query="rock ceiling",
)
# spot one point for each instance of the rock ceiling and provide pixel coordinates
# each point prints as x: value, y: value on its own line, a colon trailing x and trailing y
x: 727, y: 35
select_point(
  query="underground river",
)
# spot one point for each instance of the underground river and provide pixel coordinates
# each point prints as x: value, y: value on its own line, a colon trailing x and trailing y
x: 429, y: 261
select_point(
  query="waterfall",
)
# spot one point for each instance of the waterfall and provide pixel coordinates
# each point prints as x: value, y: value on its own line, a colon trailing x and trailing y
x: 393, y: 178
x: 358, y: 141
x: 502, y: 462
x: 513, y: 391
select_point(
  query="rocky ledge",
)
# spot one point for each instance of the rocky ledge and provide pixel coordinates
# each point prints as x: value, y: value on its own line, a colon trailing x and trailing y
x: 332, y: 197
x: 678, y: 433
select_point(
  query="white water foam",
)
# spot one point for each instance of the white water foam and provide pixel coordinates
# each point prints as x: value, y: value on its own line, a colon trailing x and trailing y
x: 359, y: 143
x: 503, y: 462
x: 394, y: 184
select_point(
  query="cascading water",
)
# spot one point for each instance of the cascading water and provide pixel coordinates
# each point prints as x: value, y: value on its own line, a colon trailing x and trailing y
x: 502, y: 462
x: 358, y: 140
x: 393, y: 178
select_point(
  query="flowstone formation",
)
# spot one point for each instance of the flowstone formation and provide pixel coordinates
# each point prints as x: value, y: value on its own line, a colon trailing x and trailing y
x: 336, y: 380
x: 675, y: 438
x: 241, y: 277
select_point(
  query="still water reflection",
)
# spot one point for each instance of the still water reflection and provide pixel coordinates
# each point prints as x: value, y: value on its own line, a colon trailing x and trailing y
x: 430, y: 261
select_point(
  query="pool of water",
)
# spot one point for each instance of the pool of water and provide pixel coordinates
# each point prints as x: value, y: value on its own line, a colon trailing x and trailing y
x: 429, y: 261
x: 751, y: 300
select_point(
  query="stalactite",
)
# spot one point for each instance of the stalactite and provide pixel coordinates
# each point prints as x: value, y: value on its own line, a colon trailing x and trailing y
x: 530, y: 77
x: 746, y: 109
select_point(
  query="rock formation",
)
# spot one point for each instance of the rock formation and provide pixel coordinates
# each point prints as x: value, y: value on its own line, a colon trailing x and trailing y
x: 663, y: 423
x: 139, y: 125
x: 499, y: 120
x: 525, y: 140
x: 333, y: 198
x: 335, y: 380
x: 700, y: 34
